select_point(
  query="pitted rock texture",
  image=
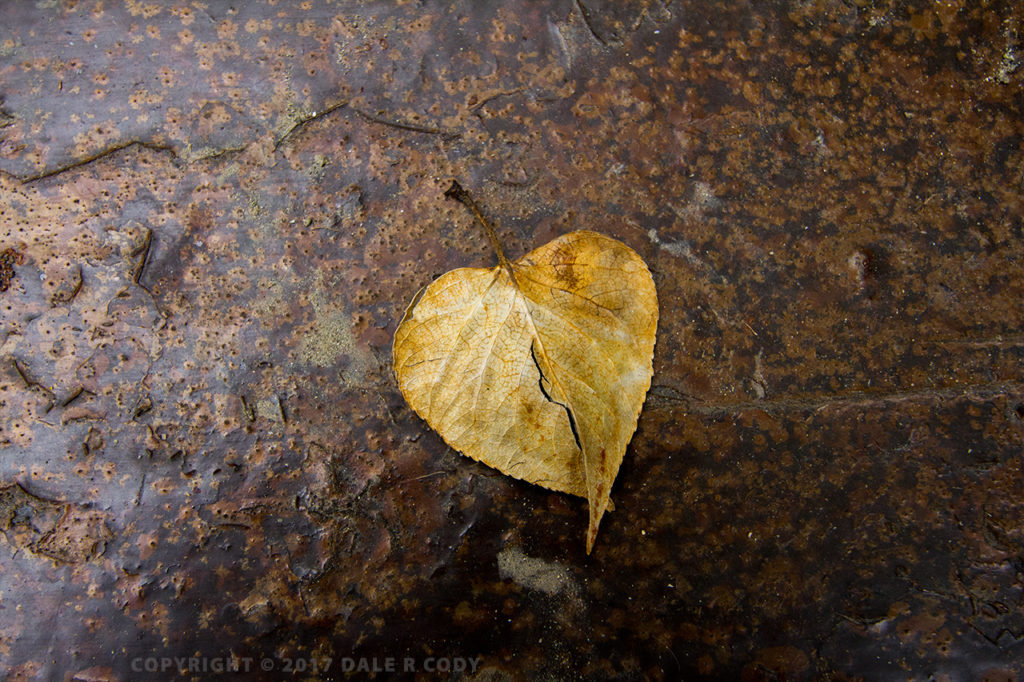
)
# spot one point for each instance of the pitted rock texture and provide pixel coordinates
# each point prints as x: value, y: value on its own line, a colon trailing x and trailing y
x: 212, y: 216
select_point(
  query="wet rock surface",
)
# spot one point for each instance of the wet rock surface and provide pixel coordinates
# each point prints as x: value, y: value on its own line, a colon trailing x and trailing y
x: 212, y: 218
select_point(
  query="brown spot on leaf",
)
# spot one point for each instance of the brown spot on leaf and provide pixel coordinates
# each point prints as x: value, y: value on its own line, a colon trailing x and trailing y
x: 563, y: 259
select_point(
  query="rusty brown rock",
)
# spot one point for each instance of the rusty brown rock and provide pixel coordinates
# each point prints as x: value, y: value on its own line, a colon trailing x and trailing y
x: 221, y: 212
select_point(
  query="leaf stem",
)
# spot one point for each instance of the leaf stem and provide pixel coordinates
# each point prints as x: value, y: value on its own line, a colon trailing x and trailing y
x: 459, y: 194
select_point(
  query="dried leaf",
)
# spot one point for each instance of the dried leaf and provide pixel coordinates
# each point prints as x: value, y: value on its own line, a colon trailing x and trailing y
x: 537, y: 368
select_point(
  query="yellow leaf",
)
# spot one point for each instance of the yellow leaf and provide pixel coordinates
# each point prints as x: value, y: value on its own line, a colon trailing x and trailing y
x: 537, y: 368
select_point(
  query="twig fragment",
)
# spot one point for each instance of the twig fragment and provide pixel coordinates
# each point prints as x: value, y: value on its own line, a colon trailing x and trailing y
x: 401, y: 125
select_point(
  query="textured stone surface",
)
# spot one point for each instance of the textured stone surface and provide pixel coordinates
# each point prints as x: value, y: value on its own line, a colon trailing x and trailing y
x: 212, y: 218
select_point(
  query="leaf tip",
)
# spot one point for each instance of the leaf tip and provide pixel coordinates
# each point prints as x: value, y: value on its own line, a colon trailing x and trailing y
x: 596, y: 510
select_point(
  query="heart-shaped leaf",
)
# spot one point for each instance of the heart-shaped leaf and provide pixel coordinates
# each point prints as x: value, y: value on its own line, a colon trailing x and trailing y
x: 537, y: 367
